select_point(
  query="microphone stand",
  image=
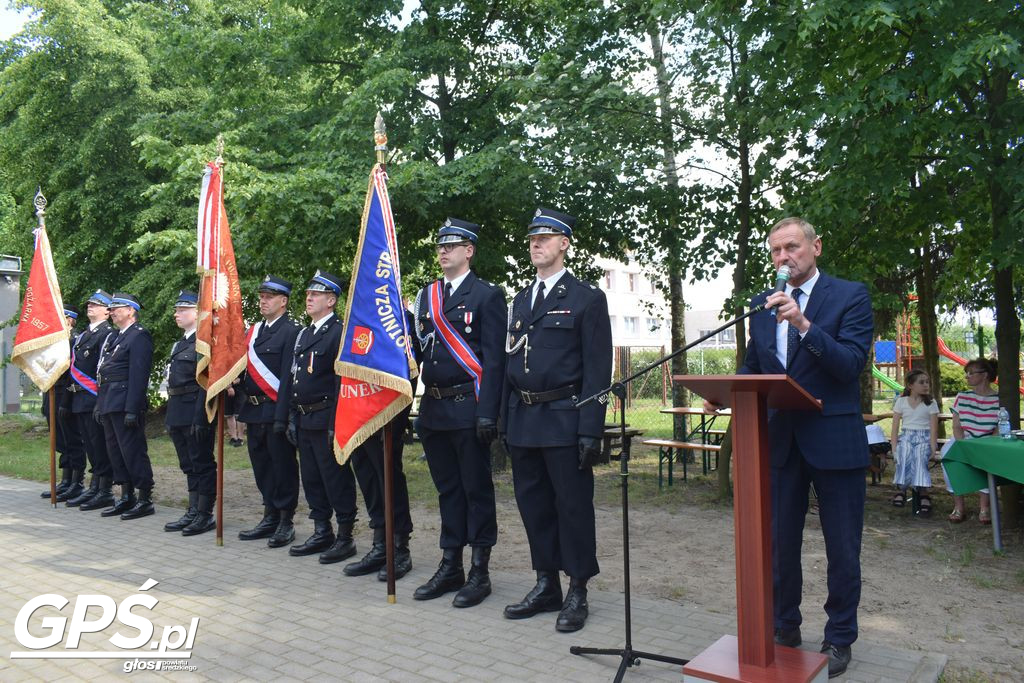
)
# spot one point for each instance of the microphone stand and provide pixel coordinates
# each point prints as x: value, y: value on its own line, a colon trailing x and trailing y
x: 628, y: 655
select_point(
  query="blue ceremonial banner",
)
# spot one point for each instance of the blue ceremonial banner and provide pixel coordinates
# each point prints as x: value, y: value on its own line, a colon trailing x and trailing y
x: 374, y: 361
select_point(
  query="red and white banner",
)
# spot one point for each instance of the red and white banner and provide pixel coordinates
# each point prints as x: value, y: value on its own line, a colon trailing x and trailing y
x: 41, y: 346
x: 220, y: 338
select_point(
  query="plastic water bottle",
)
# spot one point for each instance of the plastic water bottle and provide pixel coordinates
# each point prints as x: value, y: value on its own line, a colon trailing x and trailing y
x: 1004, y: 424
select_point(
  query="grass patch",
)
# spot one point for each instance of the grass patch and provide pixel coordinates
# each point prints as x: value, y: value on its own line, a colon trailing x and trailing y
x: 25, y: 449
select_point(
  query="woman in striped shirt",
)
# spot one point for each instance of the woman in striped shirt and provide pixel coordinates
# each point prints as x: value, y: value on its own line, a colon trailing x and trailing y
x: 975, y: 413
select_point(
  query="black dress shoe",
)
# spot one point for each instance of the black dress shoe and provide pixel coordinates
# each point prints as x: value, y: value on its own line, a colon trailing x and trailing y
x: 123, y: 504
x: 62, y: 485
x: 371, y: 561
x: 545, y: 596
x: 403, y: 559
x: 285, y: 532
x: 321, y: 540
x: 838, y: 658
x: 478, y: 585
x: 203, y: 522
x: 450, y: 576
x: 265, y: 528
x: 342, y: 548
x: 788, y: 637
x: 142, y: 508
x: 182, y: 521
x: 103, y: 498
x: 575, y: 609
x: 85, y: 495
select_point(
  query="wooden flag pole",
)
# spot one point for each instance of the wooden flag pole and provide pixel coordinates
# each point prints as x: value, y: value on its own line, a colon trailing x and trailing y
x: 53, y: 445
x: 220, y: 468
x: 389, y: 509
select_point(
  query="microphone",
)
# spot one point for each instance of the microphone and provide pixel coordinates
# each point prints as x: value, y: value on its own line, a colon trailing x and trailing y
x: 781, y: 278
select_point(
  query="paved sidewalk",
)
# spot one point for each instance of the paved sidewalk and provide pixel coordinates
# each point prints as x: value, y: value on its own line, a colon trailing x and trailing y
x: 264, y: 615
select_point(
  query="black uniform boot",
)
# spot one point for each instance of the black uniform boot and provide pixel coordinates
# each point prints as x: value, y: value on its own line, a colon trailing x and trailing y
x: 478, y: 586
x: 62, y: 485
x: 403, y: 559
x: 342, y: 548
x: 104, y: 496
x: 86, y: 494
x: 321, y: 540
x: 373, y: 560
x: 574, y: 610
x: 204, y: 520
x: 74, y: 489
x: 123, y: 504
x: 449, y: 576
x: 546, y: 596
x: 285, y: 532
x: 143, y: 507
x: 265, y: 528
x: 185, y: 519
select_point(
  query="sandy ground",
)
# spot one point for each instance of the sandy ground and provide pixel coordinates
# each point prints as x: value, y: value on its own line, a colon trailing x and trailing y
x: 928, y: 584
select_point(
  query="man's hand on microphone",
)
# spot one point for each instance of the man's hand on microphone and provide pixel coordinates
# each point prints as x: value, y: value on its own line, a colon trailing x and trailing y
x: 788, y: 309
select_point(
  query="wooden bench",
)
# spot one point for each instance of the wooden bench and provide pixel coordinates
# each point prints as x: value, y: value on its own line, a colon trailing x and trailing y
x: 612, y: 438
x: 715, y: 436
x: 670, y: 449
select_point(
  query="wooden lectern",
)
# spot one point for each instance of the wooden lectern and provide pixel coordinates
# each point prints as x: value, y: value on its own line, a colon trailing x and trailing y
x: 752, y: 654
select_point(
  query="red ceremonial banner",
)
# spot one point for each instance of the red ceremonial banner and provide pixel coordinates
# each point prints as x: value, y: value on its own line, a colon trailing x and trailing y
x: 41, y: 346
x: 220, y: 337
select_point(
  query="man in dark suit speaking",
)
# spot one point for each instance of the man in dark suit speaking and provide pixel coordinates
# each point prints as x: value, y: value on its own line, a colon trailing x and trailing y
x: 819, y: 336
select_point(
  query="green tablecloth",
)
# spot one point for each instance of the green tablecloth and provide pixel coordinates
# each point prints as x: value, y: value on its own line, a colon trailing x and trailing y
x: 968, y: 461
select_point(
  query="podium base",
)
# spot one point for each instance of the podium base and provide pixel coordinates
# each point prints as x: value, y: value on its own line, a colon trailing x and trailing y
x: 720, y: 663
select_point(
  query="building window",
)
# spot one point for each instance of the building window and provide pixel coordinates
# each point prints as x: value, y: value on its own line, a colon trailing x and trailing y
x: 728, y: 336
x: 633, y: 277
x: 632, y: 323
x: 608, y: 280
x: 653, y: 325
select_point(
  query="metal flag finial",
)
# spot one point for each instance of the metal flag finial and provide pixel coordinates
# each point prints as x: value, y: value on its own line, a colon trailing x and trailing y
x: 220, y: 150
x: 40, y: 204
x: 380, y: 138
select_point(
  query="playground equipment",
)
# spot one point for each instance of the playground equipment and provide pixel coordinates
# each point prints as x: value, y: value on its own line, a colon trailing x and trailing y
x: 885, y: 379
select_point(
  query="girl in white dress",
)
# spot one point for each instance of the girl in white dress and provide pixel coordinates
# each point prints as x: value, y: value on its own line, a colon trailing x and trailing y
x: 915, y: 427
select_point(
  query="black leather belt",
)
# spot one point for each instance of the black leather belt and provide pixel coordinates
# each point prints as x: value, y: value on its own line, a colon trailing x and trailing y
x: 100, y: 379
x: 531, y: 397
x: 447, y: 392
x: 308, y: 408
x: 178, y: 391
x: 256, y: 400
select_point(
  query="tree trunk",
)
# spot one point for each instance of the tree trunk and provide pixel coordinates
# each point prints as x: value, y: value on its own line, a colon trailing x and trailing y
x: 1007, y: 320
x: 929, y: 320
x: 677, y: 304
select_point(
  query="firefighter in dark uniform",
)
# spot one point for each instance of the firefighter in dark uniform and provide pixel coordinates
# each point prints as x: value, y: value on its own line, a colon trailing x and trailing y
x: 69, y: 439
x: 85, y: 355
x: 274, y: 464
x: 560, y: 350
x: 123, y: 375
x: 458, y: 414
x: 330, y: 488
x: 368, y: 464
x: 188, y: 426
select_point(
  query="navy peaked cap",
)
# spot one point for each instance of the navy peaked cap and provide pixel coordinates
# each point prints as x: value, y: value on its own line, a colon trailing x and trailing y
x: 187, y: 299
x: 456, y: 230
x: 325, y: 282
x: 550, y: 222
x: 275, y: 285
x: 99, y: 297
x: 121, y: 299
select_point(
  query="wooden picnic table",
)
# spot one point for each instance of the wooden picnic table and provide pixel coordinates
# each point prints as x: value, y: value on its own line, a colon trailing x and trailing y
x: 612, y: 438
x: 705, y: 423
